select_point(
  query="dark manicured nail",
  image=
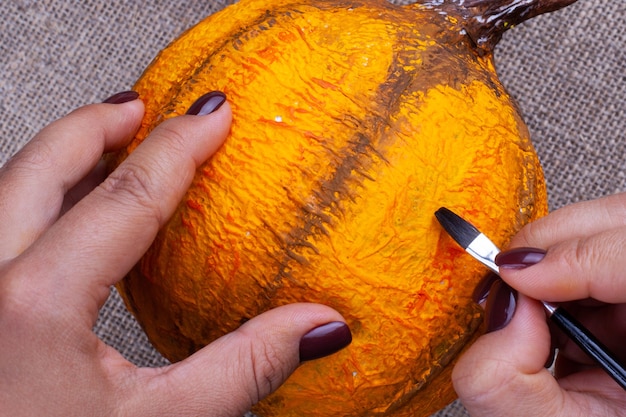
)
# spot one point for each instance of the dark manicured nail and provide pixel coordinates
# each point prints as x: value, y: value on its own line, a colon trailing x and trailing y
x: 207, y: 104
x: 519, y: 258
x: 324, y: 340
x: 123, y: 97
x: 482, y: 289
x: 500, y: 306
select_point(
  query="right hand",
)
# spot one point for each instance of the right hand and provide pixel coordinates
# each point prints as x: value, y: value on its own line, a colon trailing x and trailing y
x: 582, y: 266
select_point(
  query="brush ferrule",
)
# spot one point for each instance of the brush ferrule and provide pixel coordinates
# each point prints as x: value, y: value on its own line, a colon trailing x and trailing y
x: 484, y: 251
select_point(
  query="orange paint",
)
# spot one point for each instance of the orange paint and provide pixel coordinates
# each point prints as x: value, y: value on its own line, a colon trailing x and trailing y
x: 352, y: 124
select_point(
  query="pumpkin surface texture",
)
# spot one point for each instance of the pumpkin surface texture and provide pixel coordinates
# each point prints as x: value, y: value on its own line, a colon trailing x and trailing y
x: 353, y: 122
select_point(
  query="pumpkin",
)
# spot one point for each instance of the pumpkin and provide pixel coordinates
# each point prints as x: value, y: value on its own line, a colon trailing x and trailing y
x: 353, y: 121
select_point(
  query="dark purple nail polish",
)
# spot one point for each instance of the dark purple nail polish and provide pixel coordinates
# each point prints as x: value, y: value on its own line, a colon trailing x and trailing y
x: 484, y: 286
x: 207, y: 104
x: 123, y: 97
x: 519, y: 258
x: 324, y: 340
x: 500, y: 306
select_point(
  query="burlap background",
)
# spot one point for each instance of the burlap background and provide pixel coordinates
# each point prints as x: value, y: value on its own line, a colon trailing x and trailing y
x: 566, y: 70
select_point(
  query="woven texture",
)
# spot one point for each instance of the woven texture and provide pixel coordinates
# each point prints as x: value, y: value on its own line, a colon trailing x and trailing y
x: 566, y: 70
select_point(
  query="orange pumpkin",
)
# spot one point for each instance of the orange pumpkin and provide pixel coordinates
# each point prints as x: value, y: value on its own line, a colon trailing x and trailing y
x: 353, y: 121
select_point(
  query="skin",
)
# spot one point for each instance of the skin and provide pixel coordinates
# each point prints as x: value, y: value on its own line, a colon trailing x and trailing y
x: 503, y: 372
x: 73, y: 235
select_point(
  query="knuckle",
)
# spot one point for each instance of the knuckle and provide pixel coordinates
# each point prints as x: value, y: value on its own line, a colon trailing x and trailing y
x: 525, y: 235
x: 480, y: 388
x: 168, y: 132
x: 585, y: 255
x: 132, y: 184
x: 578, y: 258
x: 267, y: 368
x: 485, y: 388
x: 19, y: 304
x: 530, y: 235
x: 588, y: 255
x: 37, y: 156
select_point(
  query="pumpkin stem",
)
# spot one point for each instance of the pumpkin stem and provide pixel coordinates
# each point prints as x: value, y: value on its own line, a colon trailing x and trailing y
x: 486, y: 20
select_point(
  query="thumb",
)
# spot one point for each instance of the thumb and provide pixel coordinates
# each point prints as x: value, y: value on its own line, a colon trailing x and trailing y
x: 233, y: 373
x: 503, y: 373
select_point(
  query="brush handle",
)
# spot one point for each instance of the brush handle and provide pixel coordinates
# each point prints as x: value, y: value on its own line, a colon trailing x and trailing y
x: 589, y: 344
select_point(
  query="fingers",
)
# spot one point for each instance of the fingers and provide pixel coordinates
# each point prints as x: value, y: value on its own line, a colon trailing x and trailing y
x: 586, y: 254
x: 230, y: 375
x: 95, y: 243
x: 503, y: 374
x: 576, y: 253
x: 573, y: 269
x: 574, y: 221
x: 84, y: 187
x: 508, y: 361
x: 36, y: 179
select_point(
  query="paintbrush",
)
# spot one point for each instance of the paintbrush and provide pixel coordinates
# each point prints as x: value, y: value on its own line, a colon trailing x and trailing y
x: 484, y: 250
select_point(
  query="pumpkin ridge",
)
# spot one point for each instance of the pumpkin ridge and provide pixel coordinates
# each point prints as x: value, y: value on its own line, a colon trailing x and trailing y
x: 271, y: 18
x: 234, y: 39
x: 399, y: 83
x: 405, y: 77
x: 357, y: 158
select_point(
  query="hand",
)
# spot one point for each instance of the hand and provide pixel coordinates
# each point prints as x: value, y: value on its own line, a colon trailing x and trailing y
x: 582, y: 266
x: 68, y: 234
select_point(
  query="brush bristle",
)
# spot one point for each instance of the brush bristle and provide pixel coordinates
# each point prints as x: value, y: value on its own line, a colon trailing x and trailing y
x: 458, y: 228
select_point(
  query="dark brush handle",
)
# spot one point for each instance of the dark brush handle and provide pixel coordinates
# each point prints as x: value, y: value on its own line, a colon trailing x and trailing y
x: 590, y: 345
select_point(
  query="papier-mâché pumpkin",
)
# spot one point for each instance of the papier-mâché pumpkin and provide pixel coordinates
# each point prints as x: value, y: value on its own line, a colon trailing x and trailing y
x: 353, y: 121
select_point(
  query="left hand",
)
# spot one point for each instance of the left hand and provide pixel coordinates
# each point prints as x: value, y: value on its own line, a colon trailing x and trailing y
x: 68, y: 234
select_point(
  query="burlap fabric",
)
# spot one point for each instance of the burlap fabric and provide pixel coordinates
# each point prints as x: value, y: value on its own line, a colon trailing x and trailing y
x: 566, y: 70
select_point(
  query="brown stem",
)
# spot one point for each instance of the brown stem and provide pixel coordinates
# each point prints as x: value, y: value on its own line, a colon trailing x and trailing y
x: 487, y: 20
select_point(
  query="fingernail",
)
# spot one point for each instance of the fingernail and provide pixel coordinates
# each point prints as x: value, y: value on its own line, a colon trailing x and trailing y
x: 519, y: 258
x: 207, y: 104
x: 324, y: 340
x: 123, y: 97
x: 482, y: 289
x: 500, y: 306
